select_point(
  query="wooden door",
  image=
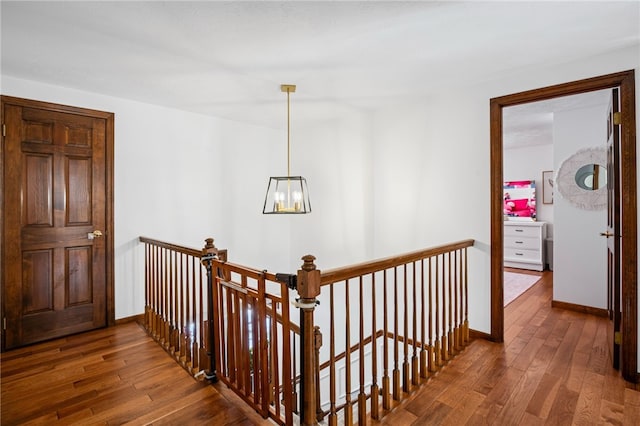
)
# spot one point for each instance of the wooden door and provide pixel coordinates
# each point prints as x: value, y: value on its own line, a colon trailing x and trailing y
x: 56, y: 239
x: 613, y: 233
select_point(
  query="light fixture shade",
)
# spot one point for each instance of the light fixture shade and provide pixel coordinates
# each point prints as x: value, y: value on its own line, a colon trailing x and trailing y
x: 287, y: 195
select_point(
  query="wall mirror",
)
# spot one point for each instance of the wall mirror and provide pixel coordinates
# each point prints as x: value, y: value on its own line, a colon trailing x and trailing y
x: 519, y: 200
x: 591, y: 177
x: 582, y: 179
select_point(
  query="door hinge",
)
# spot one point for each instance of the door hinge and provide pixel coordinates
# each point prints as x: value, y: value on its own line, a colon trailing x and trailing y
x: 617, y: 338
x: 617, y: 118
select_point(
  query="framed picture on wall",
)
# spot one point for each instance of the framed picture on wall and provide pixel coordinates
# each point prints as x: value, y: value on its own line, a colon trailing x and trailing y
x: 547, y: 187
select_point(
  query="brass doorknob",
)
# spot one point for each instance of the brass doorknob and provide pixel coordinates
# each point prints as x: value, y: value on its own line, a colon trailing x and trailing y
x: 606, y: 234
x: 94, y: 234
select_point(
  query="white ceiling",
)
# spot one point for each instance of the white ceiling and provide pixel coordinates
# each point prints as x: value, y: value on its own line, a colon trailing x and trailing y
x: 228, y: 59
x: 532, y: 123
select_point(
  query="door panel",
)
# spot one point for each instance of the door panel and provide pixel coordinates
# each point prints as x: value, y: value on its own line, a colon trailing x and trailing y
x: 55, y: 192
x: 38, y: 190
x: 613, y: 227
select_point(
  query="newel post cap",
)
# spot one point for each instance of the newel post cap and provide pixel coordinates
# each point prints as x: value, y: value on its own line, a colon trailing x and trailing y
x: 308, y: 278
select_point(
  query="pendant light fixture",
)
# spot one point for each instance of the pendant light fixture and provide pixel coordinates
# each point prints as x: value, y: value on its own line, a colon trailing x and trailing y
x: 287, y: 194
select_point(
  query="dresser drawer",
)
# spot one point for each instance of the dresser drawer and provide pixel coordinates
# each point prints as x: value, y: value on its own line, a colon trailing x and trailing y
x: 522, y: 231
x: 521, y: 242
x: 521, y: 255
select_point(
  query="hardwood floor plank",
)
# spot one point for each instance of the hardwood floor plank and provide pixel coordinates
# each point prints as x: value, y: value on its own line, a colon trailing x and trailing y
x: 461, y: 412
x: 564, y: 407
x: 611, y: 414
x: 588, y: 404
x: 544, y: 396
x: 522, y: 392
x: 435, y: 415
x: 529, y: 419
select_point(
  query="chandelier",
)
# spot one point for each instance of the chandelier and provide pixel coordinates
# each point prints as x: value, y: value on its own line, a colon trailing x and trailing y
x: 287, y: 194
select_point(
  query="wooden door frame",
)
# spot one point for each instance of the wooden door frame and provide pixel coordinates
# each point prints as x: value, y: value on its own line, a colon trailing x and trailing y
x: 109, y: 118
x: 626, y: 82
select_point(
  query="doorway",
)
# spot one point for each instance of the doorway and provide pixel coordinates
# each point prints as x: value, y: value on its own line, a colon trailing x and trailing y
x: 57, y: 221
x: 626, y: 82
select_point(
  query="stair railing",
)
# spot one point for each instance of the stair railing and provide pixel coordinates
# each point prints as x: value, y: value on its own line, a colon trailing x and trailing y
x: 404, y: 318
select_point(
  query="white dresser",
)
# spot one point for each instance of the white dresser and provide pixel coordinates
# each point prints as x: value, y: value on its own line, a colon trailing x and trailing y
x: 524, y: 245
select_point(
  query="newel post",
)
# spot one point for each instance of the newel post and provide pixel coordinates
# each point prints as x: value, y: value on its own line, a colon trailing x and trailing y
x: 209, y: 253
x: 308, y: 286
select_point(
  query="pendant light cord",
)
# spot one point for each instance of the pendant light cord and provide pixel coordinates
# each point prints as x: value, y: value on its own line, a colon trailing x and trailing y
x: 288, y: 136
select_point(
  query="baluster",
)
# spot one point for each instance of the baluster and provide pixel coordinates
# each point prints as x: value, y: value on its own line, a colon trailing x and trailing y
x: 362, y: 397
x: 438, y: 352
x: 273, y: 375
x: 348, y: 408
x: 171, y: 303
x: 202, y: 353
x: 231, y: 335
x: 152, y: 283
x: 423, y: 325
x: 166, y: 298
x: 430, y: 360
x: 451, y: 340
x: 157, y: 326
x: 333, y: 418
x: 466, y: 300
x: 190, y: 314
x: 414, y: 361
x: 396, y: 370
x: 444, y: 344
x: 149, y: 315
x: 242, y: 315
x: 318, y: 344
x: 147, y: 292
x: 160, y: 296
x: 386, y: 393
x: 375, y: 391
x: 294, y: 364
x: 405, y: 364
x: 459, y: 343
x: 289, y: 388
x: 175, y: 341
x: 183, y: 311
x: 260, y: 337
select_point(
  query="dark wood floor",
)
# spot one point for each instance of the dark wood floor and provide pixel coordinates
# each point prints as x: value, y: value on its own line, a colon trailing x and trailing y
x: 554, y: 368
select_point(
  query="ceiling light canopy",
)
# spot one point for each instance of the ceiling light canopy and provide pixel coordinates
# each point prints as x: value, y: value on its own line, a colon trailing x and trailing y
x: 287, y: 194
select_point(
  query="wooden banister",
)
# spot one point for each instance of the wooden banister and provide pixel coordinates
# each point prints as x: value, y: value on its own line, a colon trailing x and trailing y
x: 170, y: 246
x: 341, y: 274
x: 419, y: 298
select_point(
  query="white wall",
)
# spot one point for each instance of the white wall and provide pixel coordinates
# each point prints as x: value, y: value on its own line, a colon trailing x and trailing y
x: 440, y: 146
x: 580, y: 267
x: 528, y: 163
x: 335, y: 158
